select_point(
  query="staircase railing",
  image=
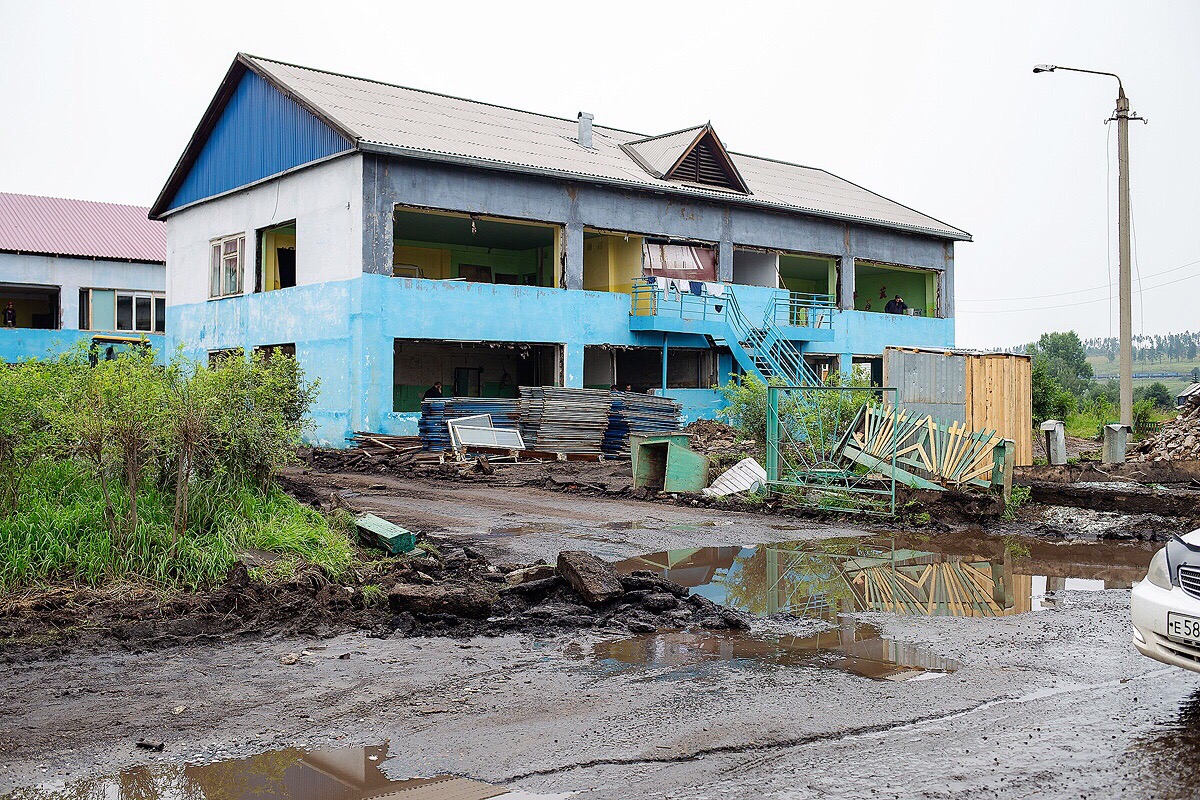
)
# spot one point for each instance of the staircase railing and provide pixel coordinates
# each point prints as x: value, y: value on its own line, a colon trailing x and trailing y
x: 773, y: 353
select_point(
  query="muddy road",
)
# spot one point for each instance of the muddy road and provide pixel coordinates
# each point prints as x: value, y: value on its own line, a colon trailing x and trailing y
x: 1044, y: 698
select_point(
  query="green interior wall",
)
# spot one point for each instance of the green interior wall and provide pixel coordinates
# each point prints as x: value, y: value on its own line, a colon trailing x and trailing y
x: 520, y: 263
x: 807, y: 274
x: 917, y: 287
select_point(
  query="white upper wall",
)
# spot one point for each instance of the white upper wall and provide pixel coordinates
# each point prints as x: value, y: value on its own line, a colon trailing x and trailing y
x: 72, y: 274
x: 325, y: 201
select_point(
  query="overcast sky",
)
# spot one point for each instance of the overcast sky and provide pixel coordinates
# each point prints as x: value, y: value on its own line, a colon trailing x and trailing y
x: 932, y: 104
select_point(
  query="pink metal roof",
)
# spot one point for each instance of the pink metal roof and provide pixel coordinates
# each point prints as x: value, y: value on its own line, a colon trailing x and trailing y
x: 56, y: 226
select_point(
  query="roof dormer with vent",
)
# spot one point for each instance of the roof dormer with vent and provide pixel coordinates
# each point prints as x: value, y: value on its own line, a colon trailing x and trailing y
x: 693, y: 155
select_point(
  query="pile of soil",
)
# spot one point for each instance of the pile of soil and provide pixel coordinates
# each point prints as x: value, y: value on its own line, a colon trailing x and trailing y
x: 1178, y: 439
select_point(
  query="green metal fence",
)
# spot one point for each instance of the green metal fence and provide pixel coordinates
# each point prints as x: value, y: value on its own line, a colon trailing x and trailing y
x: 808, y: 428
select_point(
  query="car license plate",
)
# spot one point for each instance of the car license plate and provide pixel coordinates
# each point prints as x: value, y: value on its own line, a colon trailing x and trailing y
x: 1183, y: 628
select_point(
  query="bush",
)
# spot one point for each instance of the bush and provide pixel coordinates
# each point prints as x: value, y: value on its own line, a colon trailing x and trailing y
x: 126, y: 469
x: 1157, y: 394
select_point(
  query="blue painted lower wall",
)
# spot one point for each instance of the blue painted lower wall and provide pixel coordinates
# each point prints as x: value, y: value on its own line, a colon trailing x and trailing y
x: 344, y: 333
x: 18, y: 344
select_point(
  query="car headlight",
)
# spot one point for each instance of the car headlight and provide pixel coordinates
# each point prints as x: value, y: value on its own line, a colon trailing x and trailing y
x: 1159, y: 572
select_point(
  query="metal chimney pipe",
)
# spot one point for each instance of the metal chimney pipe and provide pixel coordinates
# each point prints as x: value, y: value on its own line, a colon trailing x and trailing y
x: 585, y: 129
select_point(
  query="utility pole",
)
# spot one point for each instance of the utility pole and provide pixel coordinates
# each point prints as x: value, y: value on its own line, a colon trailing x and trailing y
x: 1125, y: 280
x: 1122, y: 116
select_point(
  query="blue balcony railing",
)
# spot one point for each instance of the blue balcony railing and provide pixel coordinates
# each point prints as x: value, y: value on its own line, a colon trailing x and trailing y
x: 649, y: 297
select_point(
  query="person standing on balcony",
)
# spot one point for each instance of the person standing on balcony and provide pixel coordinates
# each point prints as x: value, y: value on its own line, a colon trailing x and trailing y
x: 433, y: 392
x: 896, y: 306
x: 10, y: 316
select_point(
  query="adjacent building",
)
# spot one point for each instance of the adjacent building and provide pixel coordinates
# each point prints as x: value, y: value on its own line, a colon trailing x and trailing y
x: 73, y: 270
x: 391, y: 238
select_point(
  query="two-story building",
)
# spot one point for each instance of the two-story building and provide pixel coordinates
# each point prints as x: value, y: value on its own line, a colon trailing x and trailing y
x: 73, y: 270
x: 391, y: 238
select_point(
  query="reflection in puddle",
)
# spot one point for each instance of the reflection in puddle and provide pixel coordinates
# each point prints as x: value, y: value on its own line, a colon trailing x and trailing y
x: 968, y: 576
x: 1167, y: 759
x: 344, y: 773
x: 853, y: 647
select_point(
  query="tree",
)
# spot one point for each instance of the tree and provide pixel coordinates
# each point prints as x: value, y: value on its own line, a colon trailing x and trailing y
x: 1066, y: 360
x: 1157, y: 393
x: 1050, y: 399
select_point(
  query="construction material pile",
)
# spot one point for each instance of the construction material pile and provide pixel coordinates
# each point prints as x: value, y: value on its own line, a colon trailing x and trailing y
x: 1178, y: 440
x: 636, y: 414
x: 560, y: 420
x: 505, y: 413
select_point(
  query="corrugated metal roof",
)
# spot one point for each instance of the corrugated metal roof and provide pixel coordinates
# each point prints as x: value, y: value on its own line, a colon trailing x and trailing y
x: 58, y: 226
x: 424, y: 124
x: 661, y: 152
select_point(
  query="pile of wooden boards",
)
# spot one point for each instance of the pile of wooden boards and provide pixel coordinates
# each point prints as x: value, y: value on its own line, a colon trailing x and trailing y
x: 635, y: 414
x: 437, y: 412
x: 561, y: 420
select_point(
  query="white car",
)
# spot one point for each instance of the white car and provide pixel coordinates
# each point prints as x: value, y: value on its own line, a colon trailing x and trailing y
x: 1166, y: 606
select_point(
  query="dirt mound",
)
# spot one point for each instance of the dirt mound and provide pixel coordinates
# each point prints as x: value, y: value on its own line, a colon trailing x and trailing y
x: 716, y: 438
x: 1178, y: 439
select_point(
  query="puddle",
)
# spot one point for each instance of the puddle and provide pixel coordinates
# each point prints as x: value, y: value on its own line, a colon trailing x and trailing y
x: 973, y: 575
x: 853, y: 647
x: 344, y: 773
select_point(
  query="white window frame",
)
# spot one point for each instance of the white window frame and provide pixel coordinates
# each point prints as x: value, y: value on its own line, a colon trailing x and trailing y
x: 219, y: 256
x: 134, y: 296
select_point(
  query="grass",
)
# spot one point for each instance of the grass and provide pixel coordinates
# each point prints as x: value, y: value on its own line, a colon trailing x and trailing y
x: 1018, y: 497
x: 60, y: 533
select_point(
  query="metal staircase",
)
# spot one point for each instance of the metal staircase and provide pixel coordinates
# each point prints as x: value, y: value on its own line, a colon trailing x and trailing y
x: 765, y: 351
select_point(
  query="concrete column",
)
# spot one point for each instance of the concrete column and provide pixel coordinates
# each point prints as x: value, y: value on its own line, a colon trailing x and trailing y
x: 725, y: 261
x: 846, y: 298
x: 573, y: 270
x: 846, y: 364
x: 378, y: 205
x: 573, y: 364
x: 946, y: 282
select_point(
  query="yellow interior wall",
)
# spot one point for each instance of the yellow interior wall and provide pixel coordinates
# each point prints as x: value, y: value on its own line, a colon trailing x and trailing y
x: 610, y: 263
x: 272, y: 241
x: 434, y: 264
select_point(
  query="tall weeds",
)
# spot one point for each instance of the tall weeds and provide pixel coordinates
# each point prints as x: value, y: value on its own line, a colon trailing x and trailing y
x: 132, y: 470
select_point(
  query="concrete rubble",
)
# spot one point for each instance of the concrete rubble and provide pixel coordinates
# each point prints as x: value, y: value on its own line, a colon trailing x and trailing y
x: 1178, y: 439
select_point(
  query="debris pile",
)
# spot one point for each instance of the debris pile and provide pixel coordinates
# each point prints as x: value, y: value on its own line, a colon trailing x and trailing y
x: 374, y: 452
x: 560, y: 420
x: 1177, y: 440
x: 635, y: 414
x: 714, y: 438
x: 505, y: 413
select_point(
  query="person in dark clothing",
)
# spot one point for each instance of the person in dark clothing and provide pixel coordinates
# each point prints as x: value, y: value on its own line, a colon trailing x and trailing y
x: 896, y: 306
x: 613, y: 388
x: 434, y: 392
x: 10, y: 316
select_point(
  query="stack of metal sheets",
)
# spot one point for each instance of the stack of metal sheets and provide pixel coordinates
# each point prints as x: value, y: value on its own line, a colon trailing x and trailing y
x: 505, y: 413
x: 560, y: 420
x: 635, y: 414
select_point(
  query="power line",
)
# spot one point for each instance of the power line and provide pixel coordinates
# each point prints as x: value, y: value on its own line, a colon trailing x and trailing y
x: 1075, y: 291
x: 1083, y: 302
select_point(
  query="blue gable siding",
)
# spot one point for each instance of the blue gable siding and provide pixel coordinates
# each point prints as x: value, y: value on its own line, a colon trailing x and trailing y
x: 260, y: 133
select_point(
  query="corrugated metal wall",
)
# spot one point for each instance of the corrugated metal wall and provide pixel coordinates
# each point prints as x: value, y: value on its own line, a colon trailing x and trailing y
x: 928, y: 383
x: 260, y: 133
x: 982, y: 391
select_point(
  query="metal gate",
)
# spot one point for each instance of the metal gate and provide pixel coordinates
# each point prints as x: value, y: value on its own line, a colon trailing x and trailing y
x: 808, y: 428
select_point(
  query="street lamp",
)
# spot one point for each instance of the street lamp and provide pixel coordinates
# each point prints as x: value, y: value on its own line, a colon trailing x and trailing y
x: 1122, y: 115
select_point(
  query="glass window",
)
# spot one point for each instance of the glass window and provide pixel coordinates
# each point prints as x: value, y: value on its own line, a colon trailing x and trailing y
x: 214, y: 272
x: 142, y: 307
x: 225, y: 268
x: 124, y: 312
x: 160, y: 314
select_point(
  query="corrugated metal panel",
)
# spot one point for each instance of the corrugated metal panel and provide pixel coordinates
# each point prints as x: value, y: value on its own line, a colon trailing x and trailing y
x: 928, y: 383
x: 415, y: 122
x: 57, y: 226
x: 259, y: 133
x: 661, y: 152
